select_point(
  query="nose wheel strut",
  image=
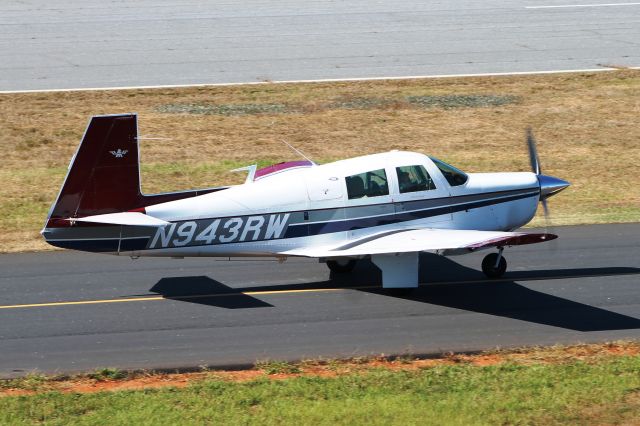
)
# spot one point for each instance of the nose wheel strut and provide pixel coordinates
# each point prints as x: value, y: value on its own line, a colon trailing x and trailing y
x: 494, y: 265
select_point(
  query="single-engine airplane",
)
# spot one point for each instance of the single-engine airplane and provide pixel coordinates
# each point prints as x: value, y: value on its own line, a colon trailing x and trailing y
x: 388, y: 207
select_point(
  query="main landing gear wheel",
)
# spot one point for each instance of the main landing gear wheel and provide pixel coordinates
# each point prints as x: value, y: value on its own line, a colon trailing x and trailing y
x: 341, y: 266
x: 489, y: 265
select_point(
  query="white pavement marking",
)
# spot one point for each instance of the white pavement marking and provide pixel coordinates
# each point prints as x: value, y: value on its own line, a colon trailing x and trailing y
x: 326, y: 80
x: 582, y: 5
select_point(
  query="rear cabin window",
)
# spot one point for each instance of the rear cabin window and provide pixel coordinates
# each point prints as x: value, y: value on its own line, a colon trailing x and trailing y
x: 414, y: 179
x: 454, y: 176
x: 368, y: 184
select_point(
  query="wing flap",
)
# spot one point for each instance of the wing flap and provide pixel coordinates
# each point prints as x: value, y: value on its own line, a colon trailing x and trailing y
x: 427, y: 240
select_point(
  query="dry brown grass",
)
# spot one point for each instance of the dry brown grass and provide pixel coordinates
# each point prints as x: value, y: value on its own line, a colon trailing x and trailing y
x: 586, y: 126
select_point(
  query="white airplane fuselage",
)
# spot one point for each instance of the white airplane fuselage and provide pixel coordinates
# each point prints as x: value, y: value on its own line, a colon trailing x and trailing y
x: 309, y: 206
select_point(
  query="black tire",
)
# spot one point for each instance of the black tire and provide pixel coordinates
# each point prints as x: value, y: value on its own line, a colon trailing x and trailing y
x: 489, y: 266
x: 341, y: 266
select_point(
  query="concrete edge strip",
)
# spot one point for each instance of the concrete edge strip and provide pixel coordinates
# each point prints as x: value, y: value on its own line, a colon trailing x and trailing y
x: 326, y: 80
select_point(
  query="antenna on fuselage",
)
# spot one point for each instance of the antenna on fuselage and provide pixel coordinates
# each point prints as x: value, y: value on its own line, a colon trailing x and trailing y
x: 294, y: 149
x: 251, y: 172
x: 300, y: 153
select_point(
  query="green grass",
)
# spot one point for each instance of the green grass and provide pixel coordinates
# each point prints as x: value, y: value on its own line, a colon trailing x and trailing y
x: 104, y: 374
x: 31, y: 382
x: 572, y: 393
x: 277, y: 367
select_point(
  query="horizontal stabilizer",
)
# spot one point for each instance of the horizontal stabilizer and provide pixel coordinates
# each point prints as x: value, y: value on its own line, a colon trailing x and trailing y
x: 125, y: 218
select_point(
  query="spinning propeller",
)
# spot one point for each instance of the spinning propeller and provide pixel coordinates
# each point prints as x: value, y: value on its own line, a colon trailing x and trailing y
x: 549, y: 185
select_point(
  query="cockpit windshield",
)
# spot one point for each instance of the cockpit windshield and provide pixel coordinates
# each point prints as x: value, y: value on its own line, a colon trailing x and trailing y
x: 454, y: 176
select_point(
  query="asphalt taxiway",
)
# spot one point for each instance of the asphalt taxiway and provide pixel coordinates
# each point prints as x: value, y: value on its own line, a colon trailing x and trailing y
x: 109, y: 43
x: 66, y: 311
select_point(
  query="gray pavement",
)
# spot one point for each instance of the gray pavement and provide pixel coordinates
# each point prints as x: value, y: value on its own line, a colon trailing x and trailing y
x: 110, y: 43
x: 583, y: 287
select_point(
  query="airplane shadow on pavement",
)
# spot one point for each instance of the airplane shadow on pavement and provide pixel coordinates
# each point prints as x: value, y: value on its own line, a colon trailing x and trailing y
x: 206, y: 291
x: 445, y: 283
x: 459, y: 287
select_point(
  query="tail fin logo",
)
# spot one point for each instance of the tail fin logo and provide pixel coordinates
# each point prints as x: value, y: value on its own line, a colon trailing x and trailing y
x: 120, y: 153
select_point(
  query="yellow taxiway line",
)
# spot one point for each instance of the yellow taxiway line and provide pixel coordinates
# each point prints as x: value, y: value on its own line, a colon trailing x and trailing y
x: 270, y: 292
x: 153, y: 298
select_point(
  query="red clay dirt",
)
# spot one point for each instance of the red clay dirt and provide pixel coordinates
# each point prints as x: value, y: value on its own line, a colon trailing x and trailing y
x: 150, y: 380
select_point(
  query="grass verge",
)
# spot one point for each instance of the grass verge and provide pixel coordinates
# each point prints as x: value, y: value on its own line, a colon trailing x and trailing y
x: 586, y: 125
x: 585, y: 384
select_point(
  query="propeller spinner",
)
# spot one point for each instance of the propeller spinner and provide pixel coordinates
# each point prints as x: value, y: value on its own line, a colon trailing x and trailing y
x: 549, y: 185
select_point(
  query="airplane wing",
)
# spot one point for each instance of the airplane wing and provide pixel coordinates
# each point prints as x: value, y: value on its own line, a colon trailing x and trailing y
x: 124, y: 218
x: 427, y: 240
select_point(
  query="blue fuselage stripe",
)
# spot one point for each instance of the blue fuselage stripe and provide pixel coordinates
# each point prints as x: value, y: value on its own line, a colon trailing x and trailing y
x: 302, y: 229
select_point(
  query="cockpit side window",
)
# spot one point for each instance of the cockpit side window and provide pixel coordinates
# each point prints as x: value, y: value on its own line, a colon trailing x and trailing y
x: 368, y: 184
x: 454, y: 176
x: 413, y: 179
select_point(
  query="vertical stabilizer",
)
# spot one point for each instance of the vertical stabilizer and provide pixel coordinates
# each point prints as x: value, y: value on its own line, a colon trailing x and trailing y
x: 104, y: 175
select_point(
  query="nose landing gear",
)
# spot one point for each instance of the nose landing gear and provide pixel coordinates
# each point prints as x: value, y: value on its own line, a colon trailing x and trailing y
x: 494, y: 265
